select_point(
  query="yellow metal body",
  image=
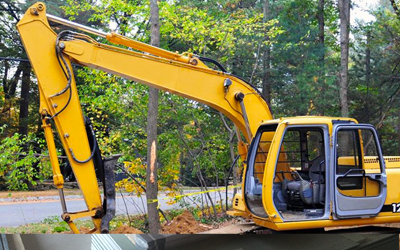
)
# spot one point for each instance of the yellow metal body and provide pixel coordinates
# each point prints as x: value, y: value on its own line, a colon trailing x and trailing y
x: 274, y: 220
x: 184, y: 75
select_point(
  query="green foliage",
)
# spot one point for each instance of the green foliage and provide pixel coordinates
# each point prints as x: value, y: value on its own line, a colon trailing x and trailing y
x: 20, y: 166
x: 204, y: 30
x: 124, y: 15
x: 302, y: 84
x: 57, y: 224
x: 52, y: 224
x: 375, y: 89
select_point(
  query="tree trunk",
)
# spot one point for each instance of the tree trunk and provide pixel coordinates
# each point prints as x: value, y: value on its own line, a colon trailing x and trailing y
x: 5, y: 78
x: 24, y: 101
x: 321, y: 36
x: 321, y: 27
x: 367, y: 74
x: 10, y: 86
x: 151, y: 179
x: 344, y: 12
x: 266, y: 80
x: 398, y: 130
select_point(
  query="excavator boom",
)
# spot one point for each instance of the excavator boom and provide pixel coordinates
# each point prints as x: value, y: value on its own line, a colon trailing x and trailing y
x: 51, y: 55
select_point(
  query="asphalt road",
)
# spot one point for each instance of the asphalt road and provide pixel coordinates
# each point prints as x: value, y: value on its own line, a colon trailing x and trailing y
x: 14, y: 214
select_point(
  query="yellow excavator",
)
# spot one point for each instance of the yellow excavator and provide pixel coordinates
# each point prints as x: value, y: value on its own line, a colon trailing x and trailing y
x: 299, y: 173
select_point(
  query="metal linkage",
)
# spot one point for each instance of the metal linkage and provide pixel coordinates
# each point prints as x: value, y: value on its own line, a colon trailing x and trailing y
x: 240, y: 97
x: 109, y: 192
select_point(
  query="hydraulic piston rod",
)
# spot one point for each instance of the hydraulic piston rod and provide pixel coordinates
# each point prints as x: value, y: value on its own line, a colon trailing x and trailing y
x: 76, y: 25
x: 118, y: 39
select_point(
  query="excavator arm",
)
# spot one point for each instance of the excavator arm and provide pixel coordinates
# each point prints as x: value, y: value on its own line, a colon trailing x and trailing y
x: 51, y: 55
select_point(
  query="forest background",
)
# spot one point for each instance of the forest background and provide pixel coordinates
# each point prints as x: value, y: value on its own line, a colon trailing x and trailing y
x: 289, y: 49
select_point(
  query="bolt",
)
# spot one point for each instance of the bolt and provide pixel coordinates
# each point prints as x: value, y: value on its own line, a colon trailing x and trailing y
x: 227, y: 83
x: 66, y: 135
x: 34, y: 11
x: 40, y: 7
x: 44, y: 112
x: 67, y: 218
x: 239, y: 96
x: 55, y: 105
x: 193, y: 61
x: 99, y: 214
x: 110, y: 192
x: 62, y: 45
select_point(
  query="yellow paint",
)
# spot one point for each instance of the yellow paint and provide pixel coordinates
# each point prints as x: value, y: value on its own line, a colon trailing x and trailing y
x: 369, y: 188
x: 382, y: 218
x: 48, y: 133
x: 39, y: 42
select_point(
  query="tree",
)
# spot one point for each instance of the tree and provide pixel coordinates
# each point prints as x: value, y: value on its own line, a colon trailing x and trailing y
x: 344, y: 12
x: 266, y: 80
x: 152, y: 113
x: 321, y: 27
x: 24, y: 100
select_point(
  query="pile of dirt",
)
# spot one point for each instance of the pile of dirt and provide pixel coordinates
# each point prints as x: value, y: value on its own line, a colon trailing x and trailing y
x: 86, y: 230
x: 184, y: 224
x: 124, y: 229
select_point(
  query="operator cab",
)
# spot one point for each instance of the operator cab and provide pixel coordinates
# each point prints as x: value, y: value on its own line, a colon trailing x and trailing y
x: 294, y: 154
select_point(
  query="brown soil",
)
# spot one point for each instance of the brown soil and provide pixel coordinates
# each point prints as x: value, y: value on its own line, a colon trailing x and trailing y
x: 82, y: 230
x: 86, y: 230
x: 124, y: 229
x: 184, y: 224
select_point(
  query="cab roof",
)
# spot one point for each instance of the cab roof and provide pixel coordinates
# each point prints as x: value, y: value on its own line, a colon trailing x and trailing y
x: 301, y: 120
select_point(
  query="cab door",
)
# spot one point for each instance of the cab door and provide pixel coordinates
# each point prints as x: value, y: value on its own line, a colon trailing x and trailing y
x: 359, y: 172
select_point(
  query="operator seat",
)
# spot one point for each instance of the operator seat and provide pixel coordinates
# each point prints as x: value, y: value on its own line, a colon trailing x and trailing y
x: 312, y: 191
x: 316, y: 174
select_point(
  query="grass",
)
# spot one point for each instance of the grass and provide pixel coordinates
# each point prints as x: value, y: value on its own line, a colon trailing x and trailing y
x: 54, y: 224
x: 25, y: 194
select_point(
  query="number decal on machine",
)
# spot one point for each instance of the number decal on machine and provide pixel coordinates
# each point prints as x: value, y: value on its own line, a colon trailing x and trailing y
x: 396, y: 207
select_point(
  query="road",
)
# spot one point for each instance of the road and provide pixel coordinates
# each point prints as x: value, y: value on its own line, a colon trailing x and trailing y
x: 14, y: 214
